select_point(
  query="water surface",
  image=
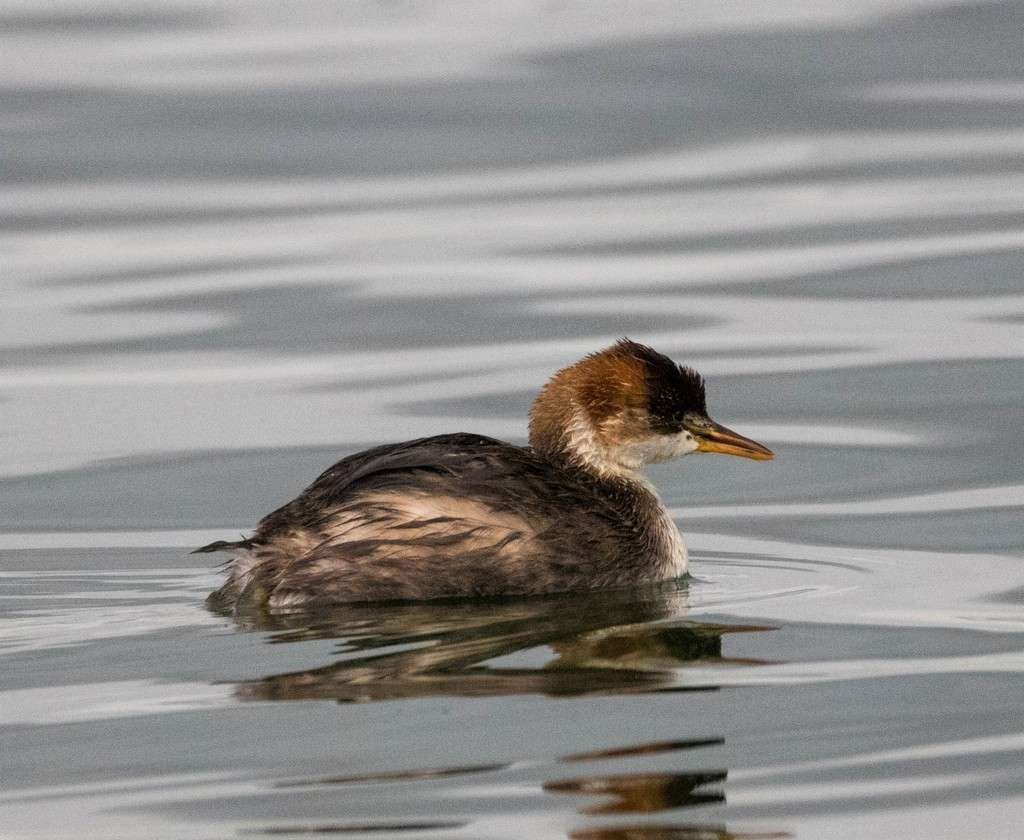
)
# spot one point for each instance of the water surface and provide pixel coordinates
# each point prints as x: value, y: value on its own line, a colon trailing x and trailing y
x: 241, y: 241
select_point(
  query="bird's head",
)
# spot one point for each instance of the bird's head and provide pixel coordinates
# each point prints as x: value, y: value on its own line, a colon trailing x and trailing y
x: 627, y: 406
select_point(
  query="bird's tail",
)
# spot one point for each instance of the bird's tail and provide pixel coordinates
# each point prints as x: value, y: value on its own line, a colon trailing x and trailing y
x: 224, y: 545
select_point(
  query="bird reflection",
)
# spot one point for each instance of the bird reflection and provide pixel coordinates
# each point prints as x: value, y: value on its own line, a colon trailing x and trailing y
x: 594, y: 643
x: 671, y: 832
x: 645, y: 793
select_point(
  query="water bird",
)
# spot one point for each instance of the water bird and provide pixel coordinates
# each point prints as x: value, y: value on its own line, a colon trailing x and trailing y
x: 463, y: 515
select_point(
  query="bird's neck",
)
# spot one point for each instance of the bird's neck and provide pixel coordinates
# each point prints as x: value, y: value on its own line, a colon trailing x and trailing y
x: 636, y: 505
x: 563, y: 432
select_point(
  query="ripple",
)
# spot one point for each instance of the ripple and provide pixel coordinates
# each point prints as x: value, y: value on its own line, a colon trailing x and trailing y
x: 977, y: 498
x: 35, y: 540
x: 232, y: 231
x: 1004, y: 91
x: 23, y: 630
x: 865, y: 586
x: 105, y: 701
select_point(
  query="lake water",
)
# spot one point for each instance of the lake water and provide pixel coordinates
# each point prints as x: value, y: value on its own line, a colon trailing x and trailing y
x: 240, y: 240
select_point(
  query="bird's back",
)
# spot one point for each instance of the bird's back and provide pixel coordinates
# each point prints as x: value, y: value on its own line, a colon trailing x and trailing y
x: 449, y: 516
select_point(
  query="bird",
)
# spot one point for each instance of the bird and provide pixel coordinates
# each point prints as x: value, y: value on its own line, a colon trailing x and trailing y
x: 467, y: 516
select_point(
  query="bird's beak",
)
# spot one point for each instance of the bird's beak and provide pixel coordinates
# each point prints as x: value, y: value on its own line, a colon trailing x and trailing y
x: 712, y: 437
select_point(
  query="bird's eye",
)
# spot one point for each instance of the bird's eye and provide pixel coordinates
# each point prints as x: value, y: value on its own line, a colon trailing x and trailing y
x: 696, y: 421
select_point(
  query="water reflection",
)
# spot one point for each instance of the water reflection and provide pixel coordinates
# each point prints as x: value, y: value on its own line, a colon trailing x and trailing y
x: 394, y: 776
x: 672, y: 832
x: 357, y: 828
x: 652, y: 748
x: 645, y: 793
x: 590, y: 643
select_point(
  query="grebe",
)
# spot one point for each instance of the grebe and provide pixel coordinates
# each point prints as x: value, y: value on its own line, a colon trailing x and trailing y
x: 463, y: 515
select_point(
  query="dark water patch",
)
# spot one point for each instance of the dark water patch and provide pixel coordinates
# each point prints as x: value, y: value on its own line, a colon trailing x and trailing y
x: 810, y: 173
x: 974, y: 394
x: 909, y: 45
x: 954, y: 276
x: 989, y: 530
x: 812, y: 643
x: 178, y: 268
x: 620, y: 97
x: 179, y: 490
x: 1009, y: 319
x: 645, y: 793
x: 63, y: 22
x: 323, y: 319
x: 517, y: 403
x: 1010, y: 596
x: 802, y: 235
x: 840, y: 805
x: 984, y: 762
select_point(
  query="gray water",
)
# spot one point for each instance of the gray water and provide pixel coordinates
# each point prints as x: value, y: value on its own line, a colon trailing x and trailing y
x: 240, y: 240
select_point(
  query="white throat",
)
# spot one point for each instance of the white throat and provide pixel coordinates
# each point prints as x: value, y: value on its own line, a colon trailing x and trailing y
x: 624, y: 460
